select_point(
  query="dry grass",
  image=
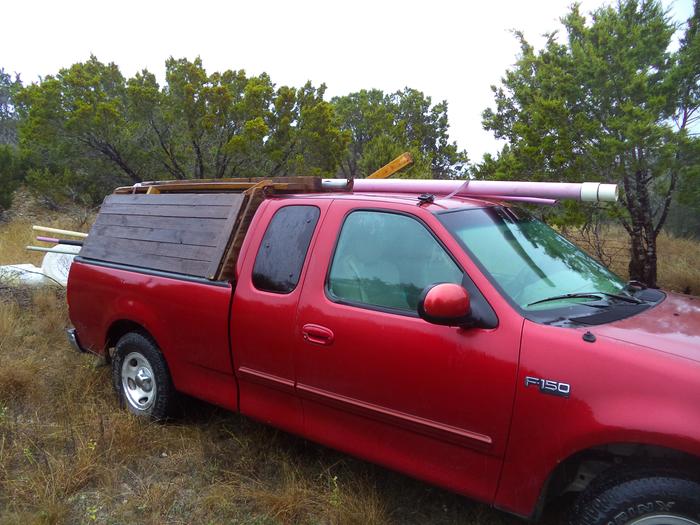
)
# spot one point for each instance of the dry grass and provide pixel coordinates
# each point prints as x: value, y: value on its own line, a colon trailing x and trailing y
x: 68, y: 454
x: 677, y: 268
x: 678, y: 264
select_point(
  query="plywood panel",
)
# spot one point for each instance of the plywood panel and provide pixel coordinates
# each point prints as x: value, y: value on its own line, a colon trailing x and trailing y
x: 169, y: 210
x: 182, y: 233
x: 173, y: 223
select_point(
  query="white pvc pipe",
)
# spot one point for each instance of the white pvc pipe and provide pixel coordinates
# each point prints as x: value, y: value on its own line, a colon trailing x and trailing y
x: 587, y: 191
x: 335, y: 184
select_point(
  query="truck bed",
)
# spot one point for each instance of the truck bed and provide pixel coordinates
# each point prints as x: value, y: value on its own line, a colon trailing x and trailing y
x: 194, y: 333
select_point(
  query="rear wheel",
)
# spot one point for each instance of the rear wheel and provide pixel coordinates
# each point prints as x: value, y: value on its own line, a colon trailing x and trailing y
x: 649, y: 500
x: 141, y: 378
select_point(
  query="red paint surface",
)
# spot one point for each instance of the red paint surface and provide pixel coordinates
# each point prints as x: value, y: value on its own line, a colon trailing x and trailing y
x: 447, y: 300
x: 189, y: 321
x: 445, y: 404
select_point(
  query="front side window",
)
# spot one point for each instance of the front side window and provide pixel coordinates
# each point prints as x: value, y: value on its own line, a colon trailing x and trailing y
x: 386, y: 260
x: 283, y: 249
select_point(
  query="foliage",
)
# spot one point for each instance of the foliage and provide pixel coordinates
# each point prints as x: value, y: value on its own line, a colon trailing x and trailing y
x: 684, y: 215
x: 382, y: 126
x: 8, y: 114
x: 229, y: 125
x: 75, y: 128
x: 688, y: 118
x: 10, y: 173
x: 11, y: 163
x: 89, y: 128
x: 601, y: 106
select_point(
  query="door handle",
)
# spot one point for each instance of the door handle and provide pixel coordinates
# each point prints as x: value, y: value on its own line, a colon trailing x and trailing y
x: 317, y: 334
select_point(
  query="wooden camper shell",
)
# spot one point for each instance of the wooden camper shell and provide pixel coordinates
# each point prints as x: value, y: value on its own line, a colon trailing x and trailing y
x: 192, y: 227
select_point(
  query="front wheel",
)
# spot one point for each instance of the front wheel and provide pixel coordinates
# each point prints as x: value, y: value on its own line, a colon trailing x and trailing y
x: 141, y: 378
x: 662, y: 500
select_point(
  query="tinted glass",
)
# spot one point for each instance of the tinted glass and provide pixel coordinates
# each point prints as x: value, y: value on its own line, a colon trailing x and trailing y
x: 527, y: 259
x: 283, y: 249
x: 386, y: 260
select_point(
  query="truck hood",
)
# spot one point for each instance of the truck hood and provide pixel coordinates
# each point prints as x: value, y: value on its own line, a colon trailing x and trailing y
x: 672, y: 326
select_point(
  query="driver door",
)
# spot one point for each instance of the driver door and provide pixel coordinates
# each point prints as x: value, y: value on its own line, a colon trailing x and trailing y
x: 380, y: 382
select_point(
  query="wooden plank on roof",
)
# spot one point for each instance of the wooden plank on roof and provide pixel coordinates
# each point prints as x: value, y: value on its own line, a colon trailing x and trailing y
x: 392, y: 167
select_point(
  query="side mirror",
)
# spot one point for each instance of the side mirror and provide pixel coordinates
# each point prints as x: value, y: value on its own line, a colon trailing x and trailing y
x: 445, y: 304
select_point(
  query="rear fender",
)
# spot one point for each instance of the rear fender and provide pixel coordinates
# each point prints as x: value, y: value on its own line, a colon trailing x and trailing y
x: 139, y: 314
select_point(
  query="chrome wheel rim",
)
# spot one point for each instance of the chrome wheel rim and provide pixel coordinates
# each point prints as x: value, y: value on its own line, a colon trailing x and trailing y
x: 662, y: 519
x: 138, y: 382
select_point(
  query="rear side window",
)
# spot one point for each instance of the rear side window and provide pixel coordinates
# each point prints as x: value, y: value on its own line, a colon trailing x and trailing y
x: 386, y: 260
x: 283, y: 249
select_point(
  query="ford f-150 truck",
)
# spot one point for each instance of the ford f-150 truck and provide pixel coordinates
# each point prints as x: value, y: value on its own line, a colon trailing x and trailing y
x: 455, y: 339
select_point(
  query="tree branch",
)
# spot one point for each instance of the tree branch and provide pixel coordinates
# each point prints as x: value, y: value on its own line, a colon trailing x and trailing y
x: 667, y: 203
x: 111, y: 153
x: 174, y: 169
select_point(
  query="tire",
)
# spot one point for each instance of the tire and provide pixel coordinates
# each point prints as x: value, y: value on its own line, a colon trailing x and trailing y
x: 141, y: 379
x: 665, y: 499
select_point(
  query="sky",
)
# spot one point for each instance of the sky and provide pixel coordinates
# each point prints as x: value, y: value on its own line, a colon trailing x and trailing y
x: 451, y: 50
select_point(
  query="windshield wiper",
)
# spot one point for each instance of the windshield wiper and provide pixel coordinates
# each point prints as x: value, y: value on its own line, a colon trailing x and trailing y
x: 626, y: 298
x: 589, y: 295
x: 580, y: 295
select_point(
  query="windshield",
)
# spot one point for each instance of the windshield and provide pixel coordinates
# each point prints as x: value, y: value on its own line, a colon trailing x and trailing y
x: 534, y: 266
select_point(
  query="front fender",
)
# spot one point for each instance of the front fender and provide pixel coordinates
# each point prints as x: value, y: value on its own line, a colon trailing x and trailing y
x: 620, y: 393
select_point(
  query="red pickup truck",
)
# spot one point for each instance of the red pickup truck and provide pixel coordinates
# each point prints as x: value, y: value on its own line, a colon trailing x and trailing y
x: 458, y: 340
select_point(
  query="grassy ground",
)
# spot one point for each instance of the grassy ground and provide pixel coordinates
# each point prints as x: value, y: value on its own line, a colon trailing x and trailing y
x: 68, y: 454
x: 677, y: 266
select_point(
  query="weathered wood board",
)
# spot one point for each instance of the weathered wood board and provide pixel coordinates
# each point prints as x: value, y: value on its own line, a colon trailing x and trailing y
x: 182, y: 233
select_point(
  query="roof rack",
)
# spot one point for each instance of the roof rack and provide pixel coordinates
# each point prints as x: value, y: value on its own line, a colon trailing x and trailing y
x: 378, y: 181
x: 533, y: 192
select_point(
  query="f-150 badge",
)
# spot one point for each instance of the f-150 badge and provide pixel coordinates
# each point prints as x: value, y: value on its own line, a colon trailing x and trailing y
x: 547, y: 386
